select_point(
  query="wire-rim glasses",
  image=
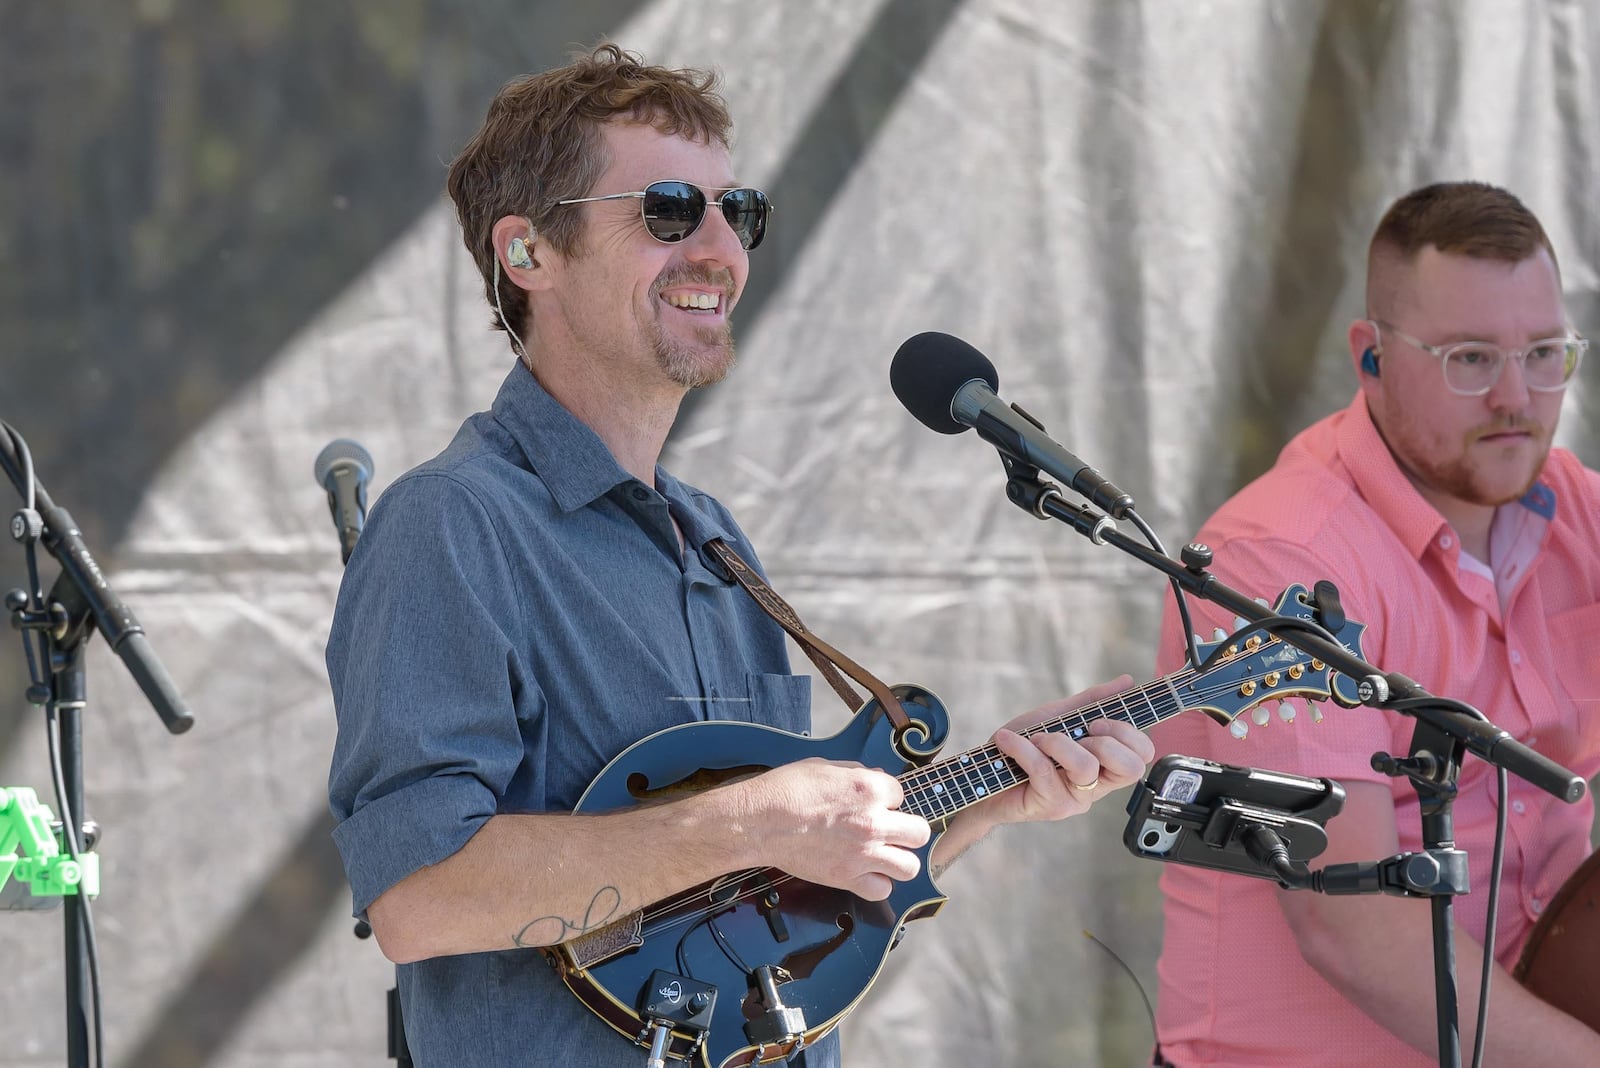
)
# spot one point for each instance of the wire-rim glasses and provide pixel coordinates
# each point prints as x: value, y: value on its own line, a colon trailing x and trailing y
x: 673, y: 209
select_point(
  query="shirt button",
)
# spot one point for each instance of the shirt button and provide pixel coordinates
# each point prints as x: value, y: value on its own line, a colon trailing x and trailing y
x: 1518, y: 807
x: 1516, y: 657
x: 1445, y: 541
x: 640, y: 493
x: 1537, y: 905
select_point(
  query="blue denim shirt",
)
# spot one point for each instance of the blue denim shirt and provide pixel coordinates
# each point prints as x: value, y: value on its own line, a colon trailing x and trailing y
x: 517, y: 613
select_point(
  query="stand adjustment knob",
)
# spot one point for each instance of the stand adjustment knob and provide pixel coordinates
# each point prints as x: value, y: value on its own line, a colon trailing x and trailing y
x: 1373, y: 690
x: 26, y: 525
x: 1421, y: 871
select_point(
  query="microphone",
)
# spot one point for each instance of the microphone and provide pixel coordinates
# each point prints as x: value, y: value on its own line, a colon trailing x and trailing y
x: 950, y: 386
x: 343, y: 468
x: 82, y: 590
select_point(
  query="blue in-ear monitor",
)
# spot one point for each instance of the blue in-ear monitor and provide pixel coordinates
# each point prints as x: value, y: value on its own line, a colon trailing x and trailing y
x: 1369, y: 362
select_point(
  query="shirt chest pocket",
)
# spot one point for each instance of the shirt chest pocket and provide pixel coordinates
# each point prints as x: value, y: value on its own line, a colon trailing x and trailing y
x: 1575, y: 652
x: 782, y: 701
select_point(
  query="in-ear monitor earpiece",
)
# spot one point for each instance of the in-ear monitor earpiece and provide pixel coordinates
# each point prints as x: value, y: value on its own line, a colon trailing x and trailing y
x: 517, y: 253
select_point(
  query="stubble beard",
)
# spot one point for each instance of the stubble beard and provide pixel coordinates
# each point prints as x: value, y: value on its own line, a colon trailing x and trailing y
x: 703, y: 362
x: 1462, y: 479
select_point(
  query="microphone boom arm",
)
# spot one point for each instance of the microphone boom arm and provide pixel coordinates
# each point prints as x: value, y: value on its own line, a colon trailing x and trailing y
x: 1390, y: 690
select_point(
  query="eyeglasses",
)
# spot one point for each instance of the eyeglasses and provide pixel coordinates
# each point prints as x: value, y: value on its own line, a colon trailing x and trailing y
x: 673, y: 210
x: 1471, y: 368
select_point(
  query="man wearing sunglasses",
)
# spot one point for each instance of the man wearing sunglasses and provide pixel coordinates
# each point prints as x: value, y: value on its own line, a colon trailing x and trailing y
x: 1471, y: 550
x: 542, y: 595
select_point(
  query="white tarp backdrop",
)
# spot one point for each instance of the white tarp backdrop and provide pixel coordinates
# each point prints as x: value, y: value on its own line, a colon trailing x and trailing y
x: 1151, y: 215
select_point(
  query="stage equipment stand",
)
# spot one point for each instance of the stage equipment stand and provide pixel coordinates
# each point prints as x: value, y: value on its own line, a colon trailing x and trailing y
x: 61, y: 622
x: 343, y: 469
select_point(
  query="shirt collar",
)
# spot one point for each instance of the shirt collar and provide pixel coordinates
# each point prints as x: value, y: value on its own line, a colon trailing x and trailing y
x: 570, y: 458
x: 1382, y: 484
x: 575, y: 464
x: 1386, y: 488
x: 699, y: 524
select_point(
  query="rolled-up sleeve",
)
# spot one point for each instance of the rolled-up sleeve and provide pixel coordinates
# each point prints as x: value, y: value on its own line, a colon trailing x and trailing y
x: 429, y: 689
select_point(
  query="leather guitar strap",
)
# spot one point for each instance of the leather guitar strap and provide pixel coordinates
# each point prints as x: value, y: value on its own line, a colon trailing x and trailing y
x: 829, y: 660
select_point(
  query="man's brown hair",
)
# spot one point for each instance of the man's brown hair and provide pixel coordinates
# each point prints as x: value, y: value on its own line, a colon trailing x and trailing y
x: 1471, y: 219
x: 541, y: 143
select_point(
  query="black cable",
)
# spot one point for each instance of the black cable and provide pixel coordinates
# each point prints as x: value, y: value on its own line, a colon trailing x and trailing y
x: 1266, y: 848
x: 1489, y: 923
x: 718, y: 939
x: 1193, y: 652
x: 1449, y: 703
x: 1148, y: 1008
x: 25, y: 458
x: 69, y: 836
x: 727, y: 947
x: 1271, y: 624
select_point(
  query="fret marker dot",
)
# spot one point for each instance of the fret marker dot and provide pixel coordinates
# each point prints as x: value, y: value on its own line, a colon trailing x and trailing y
x: 938, y: 787
x: 965, y: 759
x: 998, y: 765
x: 981, y: 791
x: 1079, y: 732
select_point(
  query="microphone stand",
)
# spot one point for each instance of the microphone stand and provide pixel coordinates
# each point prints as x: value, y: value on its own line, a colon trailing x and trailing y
x: 64, y: 620
x: 349, y: 522
x: 1445, y: 730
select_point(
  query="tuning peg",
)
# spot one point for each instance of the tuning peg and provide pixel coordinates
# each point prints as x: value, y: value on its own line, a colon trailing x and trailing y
x: 1286, y: 711
x: 1219, y: 634
x: 1263, y: 602
x: 1239, y: 728
x: 1260, y: 715
x: 1316, y: 711
x: 1239, y: 622
x: 1198, y: 640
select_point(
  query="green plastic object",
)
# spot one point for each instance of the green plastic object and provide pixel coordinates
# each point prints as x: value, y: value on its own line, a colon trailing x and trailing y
x: 42, y: 866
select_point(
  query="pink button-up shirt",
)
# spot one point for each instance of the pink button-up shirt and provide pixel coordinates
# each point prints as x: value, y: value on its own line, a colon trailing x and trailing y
x: 1517, y: 637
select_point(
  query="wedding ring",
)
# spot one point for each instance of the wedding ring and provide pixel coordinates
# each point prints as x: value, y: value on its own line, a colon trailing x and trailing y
x: 1086, y: 786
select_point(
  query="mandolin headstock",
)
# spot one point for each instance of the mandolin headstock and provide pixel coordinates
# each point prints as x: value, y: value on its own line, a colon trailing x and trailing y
x: 1252, y: 671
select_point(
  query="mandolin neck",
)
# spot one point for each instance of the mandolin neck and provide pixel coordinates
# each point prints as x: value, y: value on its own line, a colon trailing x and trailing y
x: 938, y: 791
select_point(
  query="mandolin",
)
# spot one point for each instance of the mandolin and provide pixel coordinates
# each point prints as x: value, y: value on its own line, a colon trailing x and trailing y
x: 753, y: 966
x: 1557, y: 964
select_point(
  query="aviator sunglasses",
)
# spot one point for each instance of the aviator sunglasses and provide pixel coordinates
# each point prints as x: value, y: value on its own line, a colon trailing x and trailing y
x: 673, y: 210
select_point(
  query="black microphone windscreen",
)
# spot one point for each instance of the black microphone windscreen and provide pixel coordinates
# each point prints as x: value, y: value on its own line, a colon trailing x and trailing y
x: 341, y: 450
x: 929, y: 369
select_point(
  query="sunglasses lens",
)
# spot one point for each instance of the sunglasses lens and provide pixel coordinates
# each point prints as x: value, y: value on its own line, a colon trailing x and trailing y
x: 746, y: 211
x: 672, y: 210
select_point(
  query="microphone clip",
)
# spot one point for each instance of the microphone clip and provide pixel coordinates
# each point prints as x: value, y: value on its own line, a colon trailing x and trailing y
x: 1042, y: 499
x: 1024, y: 487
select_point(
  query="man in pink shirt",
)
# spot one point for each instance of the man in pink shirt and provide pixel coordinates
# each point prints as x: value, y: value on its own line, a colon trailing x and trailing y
x: 1471, y: 550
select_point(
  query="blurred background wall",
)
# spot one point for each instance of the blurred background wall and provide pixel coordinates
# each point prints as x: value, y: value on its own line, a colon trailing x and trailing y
x: 223, y: 242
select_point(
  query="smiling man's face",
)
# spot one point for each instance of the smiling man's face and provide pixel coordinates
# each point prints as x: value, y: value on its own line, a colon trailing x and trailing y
x: 647, y: 307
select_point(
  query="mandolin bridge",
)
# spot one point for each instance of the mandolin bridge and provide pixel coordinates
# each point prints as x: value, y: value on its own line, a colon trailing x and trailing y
x: 606, y: 942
